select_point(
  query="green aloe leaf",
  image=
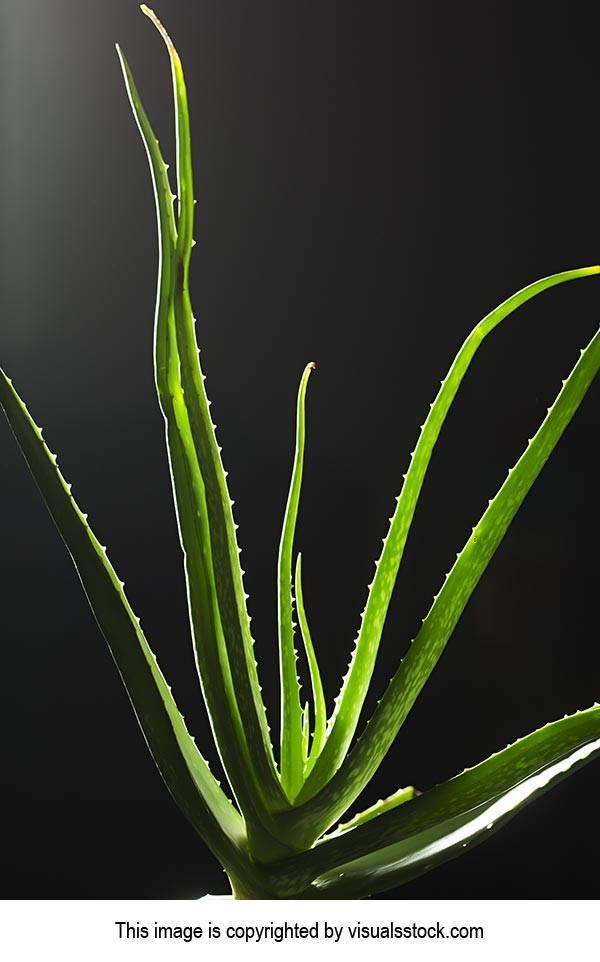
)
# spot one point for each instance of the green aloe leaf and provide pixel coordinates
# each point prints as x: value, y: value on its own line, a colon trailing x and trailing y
x: 185, y: 772
x: 356, y: 683
x: 224, y: 551
x: 399, y: 797
x: 211, y: 653
x: 292, y: 760
x: 401, y: 844
x: 188, y: 488
x: 320, y: 709
x: 360, y: 764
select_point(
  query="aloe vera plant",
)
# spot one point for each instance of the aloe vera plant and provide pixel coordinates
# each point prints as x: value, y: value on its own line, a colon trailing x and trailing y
x: 277, y: 829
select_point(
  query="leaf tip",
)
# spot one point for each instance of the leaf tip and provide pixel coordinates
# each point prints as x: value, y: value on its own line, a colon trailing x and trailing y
x: 157, y: 23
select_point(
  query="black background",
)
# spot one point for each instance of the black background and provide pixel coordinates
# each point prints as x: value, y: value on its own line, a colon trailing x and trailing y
x: 372, y: 178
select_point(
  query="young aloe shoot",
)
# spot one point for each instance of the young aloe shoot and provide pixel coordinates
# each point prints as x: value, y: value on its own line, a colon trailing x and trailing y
x: 274, y: 831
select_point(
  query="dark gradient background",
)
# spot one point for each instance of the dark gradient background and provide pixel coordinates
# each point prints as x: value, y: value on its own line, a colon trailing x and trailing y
x: 372, y: 178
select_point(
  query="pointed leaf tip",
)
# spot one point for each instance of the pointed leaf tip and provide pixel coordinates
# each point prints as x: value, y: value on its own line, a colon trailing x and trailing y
x: 157, y: 23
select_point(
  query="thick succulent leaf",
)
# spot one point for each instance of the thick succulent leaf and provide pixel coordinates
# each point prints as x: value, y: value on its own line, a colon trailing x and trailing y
x: 210, y: 648
x: 292, y: 761
x: 228, y: 581
x: 458, y: 814
x: 356, y: 683
x: 189, y: 493
x: 182, y: 767
x: 320, y: 710
x: 441, y: 823
x: 316, y: 815
x: 187, y: 482
x: 211, y: 652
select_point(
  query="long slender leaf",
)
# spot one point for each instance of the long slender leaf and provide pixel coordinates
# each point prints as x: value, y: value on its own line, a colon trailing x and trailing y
x: 189, y: 501
x: 292, y: 762
x: 188, y: 486
x: 211, y: 653
x: 320, y: 710
x: 184, y: 770
x: 440, y: 824
x: 321, y: 811
x: 356, y: 683
x: 224, y: 550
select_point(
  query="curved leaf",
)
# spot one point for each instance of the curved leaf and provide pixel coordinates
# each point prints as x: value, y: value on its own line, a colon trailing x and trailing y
x: 320, y: 709
x: 466, y: 810
x: 292, y: 761
x: 316, y: 815
x: 433, y: 827
x: 192, y: 515
x: 188, y: 488
x: 356, y: 682
x: 224, y: 551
